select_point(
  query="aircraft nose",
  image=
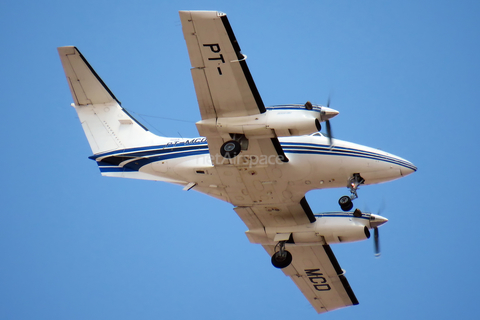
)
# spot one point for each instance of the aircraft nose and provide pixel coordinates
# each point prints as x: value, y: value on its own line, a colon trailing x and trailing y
x: 377, y: 220
x: 328, y: 113
x: 407, y: 168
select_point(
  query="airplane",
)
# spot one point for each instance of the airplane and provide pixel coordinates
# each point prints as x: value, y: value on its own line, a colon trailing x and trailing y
x: 261, y: 159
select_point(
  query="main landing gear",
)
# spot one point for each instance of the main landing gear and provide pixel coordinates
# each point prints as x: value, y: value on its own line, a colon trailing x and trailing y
x: 232, y: 148
x: 281, y: 258
x: 345, y: 202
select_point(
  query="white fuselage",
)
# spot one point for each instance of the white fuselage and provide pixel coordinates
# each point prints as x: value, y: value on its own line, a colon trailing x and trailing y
x: 313, y: 164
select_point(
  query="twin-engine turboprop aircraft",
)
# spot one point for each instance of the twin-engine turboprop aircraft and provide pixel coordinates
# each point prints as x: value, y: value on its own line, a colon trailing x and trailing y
x: 260, y: 159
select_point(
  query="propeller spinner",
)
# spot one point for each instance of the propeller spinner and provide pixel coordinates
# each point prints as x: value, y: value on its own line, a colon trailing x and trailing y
x: 327, y: 114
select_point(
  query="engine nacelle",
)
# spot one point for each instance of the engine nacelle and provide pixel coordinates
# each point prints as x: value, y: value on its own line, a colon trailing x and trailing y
x: 331, y: 227
x: 273, y: 123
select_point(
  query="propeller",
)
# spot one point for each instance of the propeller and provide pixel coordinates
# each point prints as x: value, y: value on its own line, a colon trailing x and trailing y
x: 377, y: 220
x: 326, y: 115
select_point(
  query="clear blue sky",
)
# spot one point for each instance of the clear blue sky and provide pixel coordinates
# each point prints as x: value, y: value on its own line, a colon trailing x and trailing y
x: 75, y: 245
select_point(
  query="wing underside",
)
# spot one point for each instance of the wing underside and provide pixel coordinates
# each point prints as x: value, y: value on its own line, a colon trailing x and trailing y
x: 223, y: 83
x: 318, y: 275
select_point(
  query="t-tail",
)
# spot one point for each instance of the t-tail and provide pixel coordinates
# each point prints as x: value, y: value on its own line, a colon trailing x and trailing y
x: 115, y: 137
x: 107, y: 125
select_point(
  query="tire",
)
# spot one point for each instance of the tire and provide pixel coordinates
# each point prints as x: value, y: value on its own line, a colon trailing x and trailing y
x: 230, y: 149
x: 281, y: 262
x: 345, y: 203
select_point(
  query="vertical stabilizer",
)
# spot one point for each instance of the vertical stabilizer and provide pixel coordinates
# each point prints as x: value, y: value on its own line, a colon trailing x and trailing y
x: 107, y: 125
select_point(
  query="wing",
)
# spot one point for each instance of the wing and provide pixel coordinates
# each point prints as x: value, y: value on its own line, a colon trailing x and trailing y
x: 318, y: 275
x: 222, y: 80
x: 223, y: 83
x: 276, y: 215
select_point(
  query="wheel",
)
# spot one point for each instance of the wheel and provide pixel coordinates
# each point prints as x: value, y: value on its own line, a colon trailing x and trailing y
x: 345, y: 203
x: 230, y: 149
x: 280, y: 261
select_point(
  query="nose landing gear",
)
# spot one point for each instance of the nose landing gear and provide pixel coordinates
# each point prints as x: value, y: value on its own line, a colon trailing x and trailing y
x: 354, y: 183
x: 345, y: 203
x: 281, y: 258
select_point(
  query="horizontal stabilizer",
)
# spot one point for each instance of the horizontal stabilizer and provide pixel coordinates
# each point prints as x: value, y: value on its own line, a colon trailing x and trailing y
x: 86, y: 86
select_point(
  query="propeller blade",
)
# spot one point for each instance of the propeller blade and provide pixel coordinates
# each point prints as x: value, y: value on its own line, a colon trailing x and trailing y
x: 329, y: 127
x: 329, y: 132
x: 376, y: 242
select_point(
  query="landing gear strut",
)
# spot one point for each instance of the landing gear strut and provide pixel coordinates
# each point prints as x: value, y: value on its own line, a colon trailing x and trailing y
x: 354, y: 182
x: 281, y: 258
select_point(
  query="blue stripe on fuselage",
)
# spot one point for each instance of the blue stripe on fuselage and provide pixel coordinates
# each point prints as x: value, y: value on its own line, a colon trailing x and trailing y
x: 341, y: 215
x: 151, y: 154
